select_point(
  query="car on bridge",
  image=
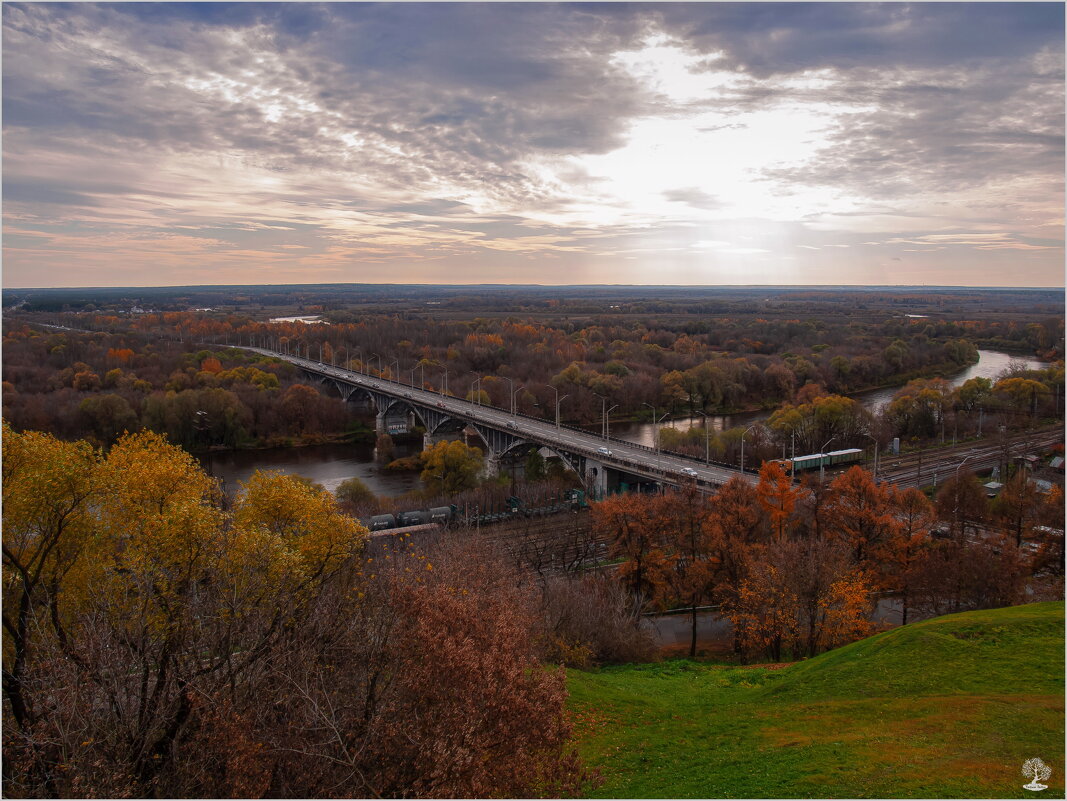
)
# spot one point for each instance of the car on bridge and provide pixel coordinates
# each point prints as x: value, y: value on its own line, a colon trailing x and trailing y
x: 689, y: 471
x: 604, y: 452
x: 512, y: 425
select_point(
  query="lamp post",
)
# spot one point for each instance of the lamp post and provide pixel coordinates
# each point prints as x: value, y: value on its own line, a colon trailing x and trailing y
x: 446, y: 382
x: 607, y: 423
x: 743, y: 446
x: 559, y: 400
x: 956, y: 500
x: 822, y: 461
x: 476, y: 393
x: 360, y: 352
x: 513, y: 394
x: 603, y: 414
x: 870, y: 437
x: 653, y: 408
x: 397, y: 373
x: 379, y: 358
x: 655, y: 434
x: 412, y: 371
x: 707, y: 438
x: 511, y: 387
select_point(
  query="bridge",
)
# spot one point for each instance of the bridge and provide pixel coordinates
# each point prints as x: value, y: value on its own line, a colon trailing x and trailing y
x: 601, y: 463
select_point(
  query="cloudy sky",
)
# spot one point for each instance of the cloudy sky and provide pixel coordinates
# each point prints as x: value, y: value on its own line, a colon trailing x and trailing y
x: 704, y: 143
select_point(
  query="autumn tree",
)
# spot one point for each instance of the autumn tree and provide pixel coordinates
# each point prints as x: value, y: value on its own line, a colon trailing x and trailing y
x: 49, y: 488
x: 155, y: 644
x: 961, y: 502
x: 859, y: 513
x: 356, y: 497
x: 900, y: 557
x: 732, y: 526
x: 690, y: 575
x: 450, y: 466
x: 1018, y: 507
x: 777, y: 497
x: 633, y: 528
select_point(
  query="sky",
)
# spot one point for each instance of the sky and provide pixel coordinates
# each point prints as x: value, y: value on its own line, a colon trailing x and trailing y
x: 533, y: 143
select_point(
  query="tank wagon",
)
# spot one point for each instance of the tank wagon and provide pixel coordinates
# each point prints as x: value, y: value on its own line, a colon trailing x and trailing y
x: 439, y: 515
x: 443, y: 515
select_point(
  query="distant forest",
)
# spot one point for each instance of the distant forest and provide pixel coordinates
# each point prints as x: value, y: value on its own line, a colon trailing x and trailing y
x: 124, y: 362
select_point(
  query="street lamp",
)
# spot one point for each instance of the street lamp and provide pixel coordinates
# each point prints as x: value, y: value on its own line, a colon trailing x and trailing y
x: 607, y: 423
x: 379, y: 358
x: 446, y: 382
x: 655, y: 436
x: 956, y: 501
x: 513, y: 394
x: 476, y: 393
x: 511, y: 388
x: 743, y: 445
x: 707, y: 438
x: 653, y: 408
x: 822, y: 461
x: 397, y: 373
x: 875, y: 454
x: 412, y: 371
x: 559, y: 400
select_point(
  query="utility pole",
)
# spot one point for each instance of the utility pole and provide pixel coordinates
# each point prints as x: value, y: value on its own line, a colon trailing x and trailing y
x: 707, y: 438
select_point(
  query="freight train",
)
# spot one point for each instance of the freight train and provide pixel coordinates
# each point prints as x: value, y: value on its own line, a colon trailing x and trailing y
x: 815, y: 460
x: 443, y: 515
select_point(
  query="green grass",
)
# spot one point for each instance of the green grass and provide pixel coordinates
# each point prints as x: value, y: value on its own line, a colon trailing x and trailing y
x: 950, y: 707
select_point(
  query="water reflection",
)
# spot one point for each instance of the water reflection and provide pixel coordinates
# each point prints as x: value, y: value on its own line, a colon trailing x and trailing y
x: 328, y: 465
x: 990, y: 364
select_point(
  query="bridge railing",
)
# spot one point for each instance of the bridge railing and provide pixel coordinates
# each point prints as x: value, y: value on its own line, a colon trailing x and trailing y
x: 313, y: 365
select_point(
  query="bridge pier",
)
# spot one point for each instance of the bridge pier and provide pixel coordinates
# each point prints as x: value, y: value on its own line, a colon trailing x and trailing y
x: 596, y: 479
x: 385, y: 423
x: 492, y: 466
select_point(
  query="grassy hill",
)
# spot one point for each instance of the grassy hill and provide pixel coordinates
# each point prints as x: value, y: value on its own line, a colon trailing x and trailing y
x: 949, y: 707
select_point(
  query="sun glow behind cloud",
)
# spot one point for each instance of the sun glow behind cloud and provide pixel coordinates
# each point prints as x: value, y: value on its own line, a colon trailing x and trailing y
x: 454, y: 144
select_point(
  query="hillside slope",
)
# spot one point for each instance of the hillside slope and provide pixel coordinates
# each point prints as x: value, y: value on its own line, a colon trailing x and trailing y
x: 950, y: 707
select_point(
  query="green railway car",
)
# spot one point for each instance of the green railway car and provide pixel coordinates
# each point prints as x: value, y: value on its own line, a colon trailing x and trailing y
x: 813, y: 461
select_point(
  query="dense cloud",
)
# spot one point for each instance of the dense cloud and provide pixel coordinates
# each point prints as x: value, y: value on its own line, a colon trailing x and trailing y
x: 557, y: 143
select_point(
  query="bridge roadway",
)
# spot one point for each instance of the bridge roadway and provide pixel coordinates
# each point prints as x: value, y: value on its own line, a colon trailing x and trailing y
x: 636, y: 460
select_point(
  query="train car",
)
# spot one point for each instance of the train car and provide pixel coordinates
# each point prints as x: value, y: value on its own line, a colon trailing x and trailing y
x: 380, y: 522
x: 814, y: 461
x: 415, y: 518
x: 442, y: 514
x: 847, y: 456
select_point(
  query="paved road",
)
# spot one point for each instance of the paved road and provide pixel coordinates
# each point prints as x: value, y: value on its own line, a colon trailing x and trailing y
x: 628, y: 457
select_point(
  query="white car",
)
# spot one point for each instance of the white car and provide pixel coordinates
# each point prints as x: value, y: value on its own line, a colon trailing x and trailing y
x: 689, y: 471
x: 604, y: 452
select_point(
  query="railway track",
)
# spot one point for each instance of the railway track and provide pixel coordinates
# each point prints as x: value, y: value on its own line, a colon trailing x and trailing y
x: 933, y: 467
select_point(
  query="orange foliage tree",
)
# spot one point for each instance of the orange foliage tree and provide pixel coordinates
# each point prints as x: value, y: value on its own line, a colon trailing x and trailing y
x: 632, y: 525
x: 859, y: 512
x: 777, y: 497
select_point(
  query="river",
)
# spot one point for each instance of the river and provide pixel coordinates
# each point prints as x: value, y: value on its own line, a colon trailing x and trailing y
x: 329, y: 465
x: 990, y: 364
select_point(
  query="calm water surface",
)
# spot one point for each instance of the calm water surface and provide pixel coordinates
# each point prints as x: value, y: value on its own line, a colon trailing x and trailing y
x: 990, y: 364
x: 328, y: 465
